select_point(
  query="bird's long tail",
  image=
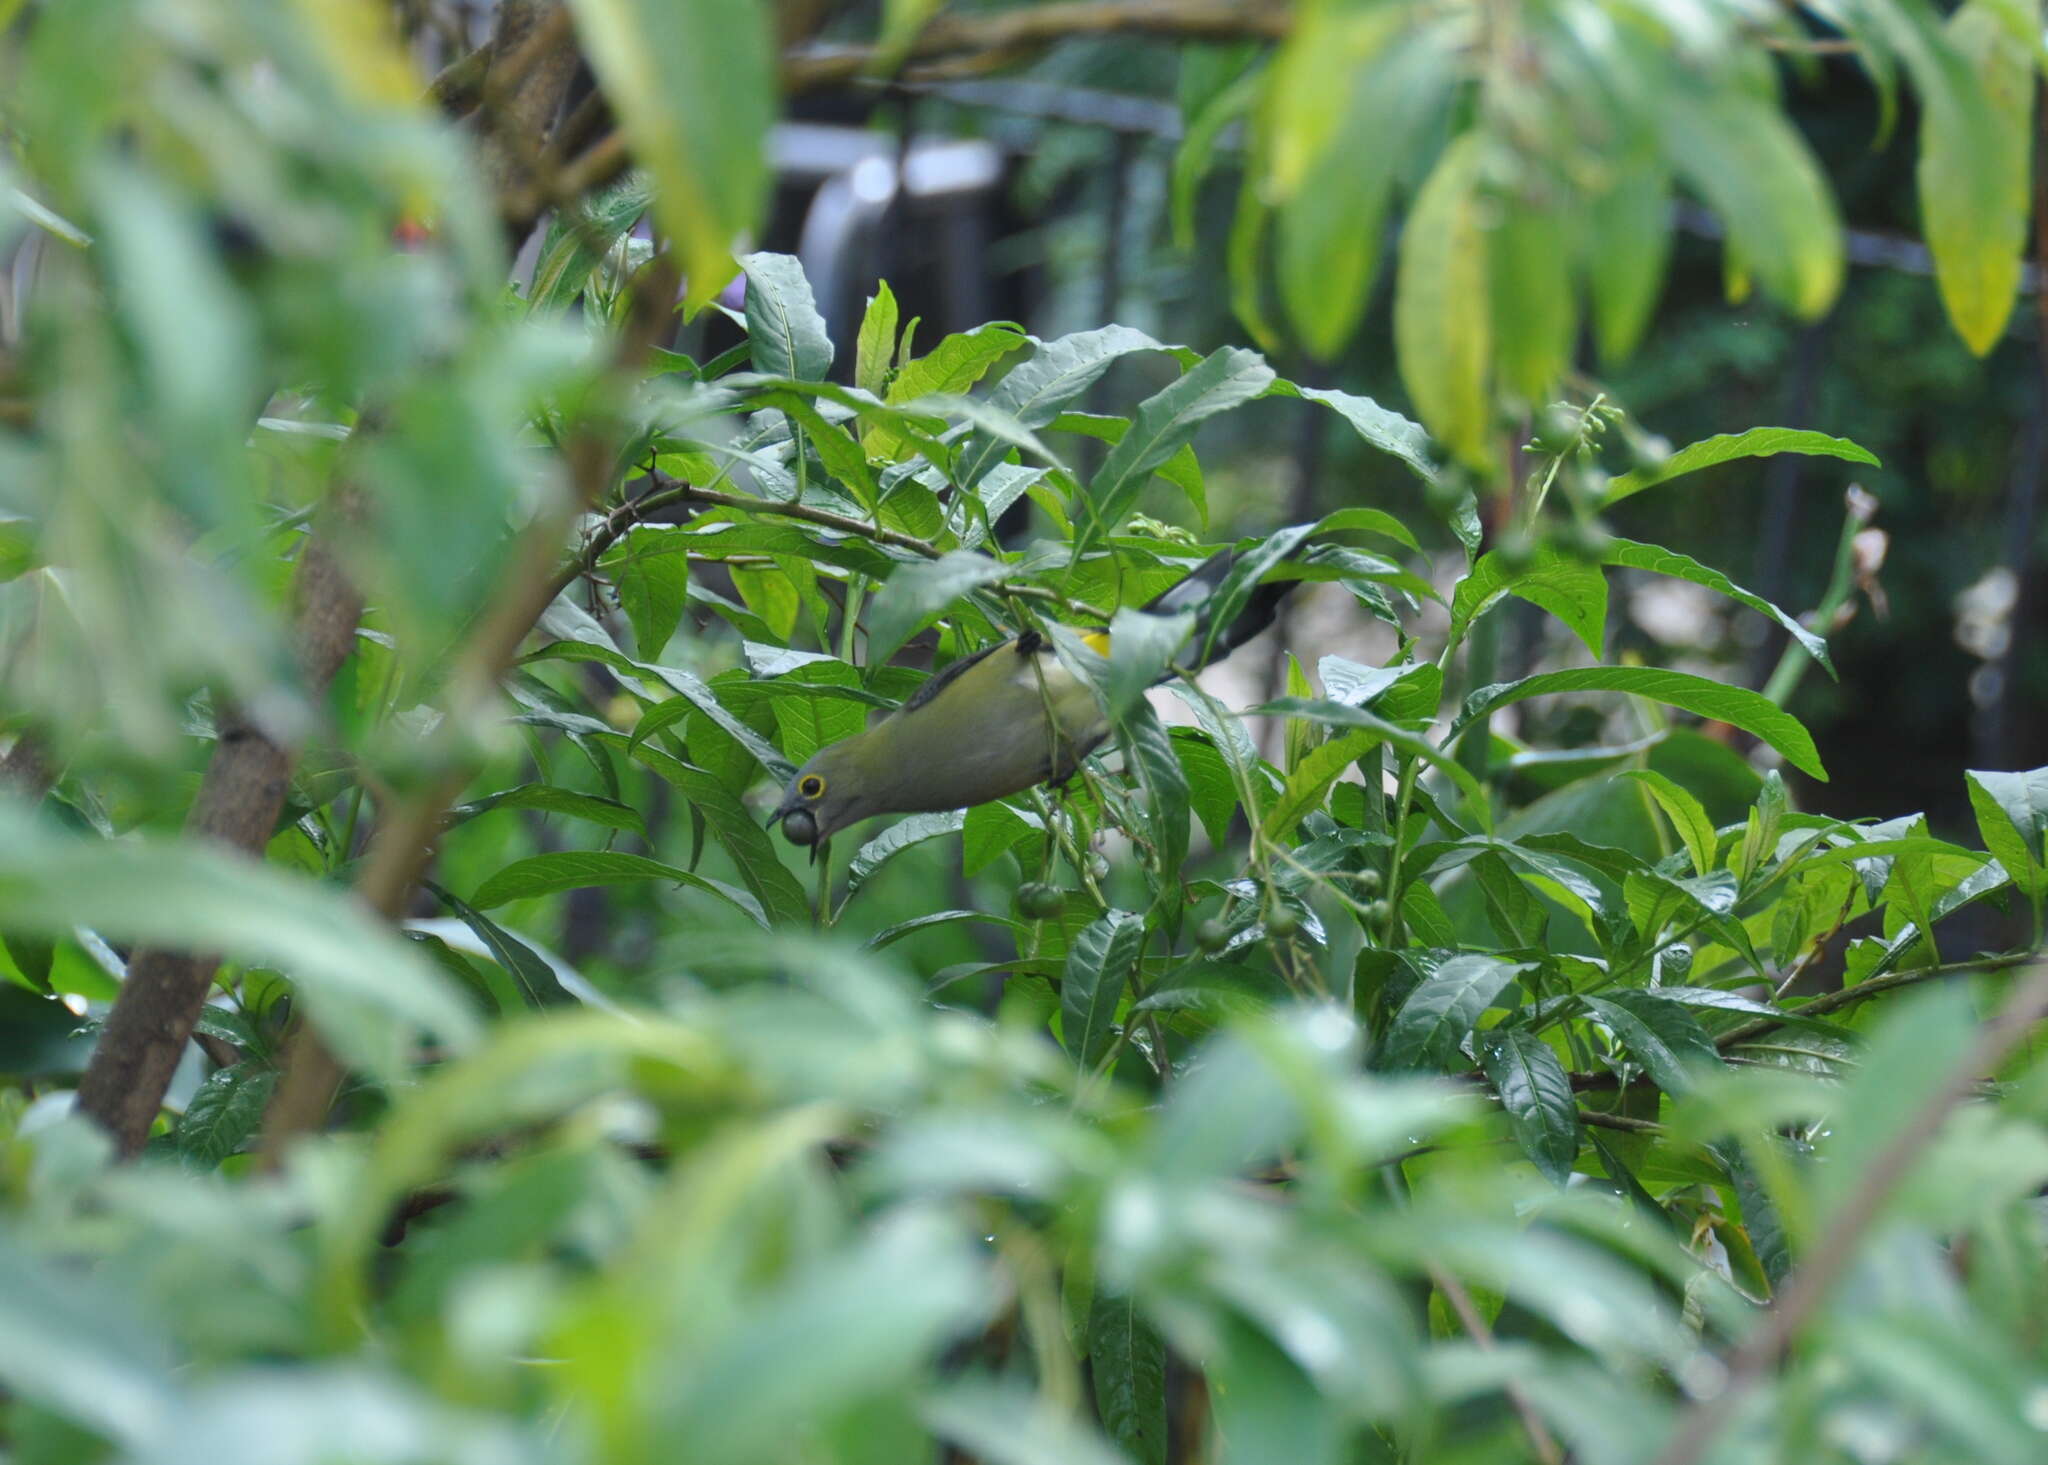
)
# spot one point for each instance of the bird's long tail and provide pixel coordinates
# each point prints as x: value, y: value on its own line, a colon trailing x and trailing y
x: 1211, y: 642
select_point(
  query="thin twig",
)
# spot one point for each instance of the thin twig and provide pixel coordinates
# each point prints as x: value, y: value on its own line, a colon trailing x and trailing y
x: 1020, y: 32
x: 408, y: 830
x: 1835, y: 1001
x: 1831, y: 1256
x: 1469, y: 1318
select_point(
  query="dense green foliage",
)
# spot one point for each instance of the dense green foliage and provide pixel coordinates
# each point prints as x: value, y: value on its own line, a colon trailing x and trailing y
x: 1334, y: 1078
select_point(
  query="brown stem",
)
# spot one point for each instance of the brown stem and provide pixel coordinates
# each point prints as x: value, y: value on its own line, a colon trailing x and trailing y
x: 238, y: 805
x: 1474, y: 1323
x: 1809, y: 1286
x: 1829, y: 1002
x: 1023, y: 31
x: 460, y: 83
x: 26, y: 768
x: 409, y: 829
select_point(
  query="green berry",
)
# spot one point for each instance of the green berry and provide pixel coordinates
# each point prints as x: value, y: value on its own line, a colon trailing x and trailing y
x: 1282, y: 922
x: 1212, y: 935
x: 1369, y: 882
x: 1557, y: 429
x: 1041, y: 902
x: 1378, y: 914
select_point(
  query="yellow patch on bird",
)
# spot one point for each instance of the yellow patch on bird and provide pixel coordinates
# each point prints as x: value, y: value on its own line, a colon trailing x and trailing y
x: 1097, y: 641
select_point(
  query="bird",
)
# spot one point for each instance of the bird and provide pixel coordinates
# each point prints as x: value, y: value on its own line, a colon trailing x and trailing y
x: 998, y: 721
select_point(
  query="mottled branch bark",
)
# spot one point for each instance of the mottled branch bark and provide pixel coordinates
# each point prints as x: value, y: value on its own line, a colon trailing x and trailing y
x: 26, y: 769
x: 240, y: 800
x: 1011, y: 34
x: 408, y: 829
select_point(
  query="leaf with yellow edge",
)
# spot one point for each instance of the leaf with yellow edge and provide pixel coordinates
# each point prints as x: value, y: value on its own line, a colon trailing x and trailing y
x: 1443, y: 329
x: 1975, y: 168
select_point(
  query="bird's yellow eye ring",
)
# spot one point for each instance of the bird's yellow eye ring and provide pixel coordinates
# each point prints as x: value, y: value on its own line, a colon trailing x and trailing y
x: 810, y: 786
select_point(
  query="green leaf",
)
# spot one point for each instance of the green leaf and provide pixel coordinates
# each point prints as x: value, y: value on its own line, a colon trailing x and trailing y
x: 875, y: 347
x: 783, y: 323
x: 1336, y: 714
x: 1950, y: 1371
x: 951, y: 367
x: 1661, y: 561
x: 781, y: 897
x: 1153, y: 764
x: 692, y: 84
x: 901, y: 21
x: 1442, y: 1009
x: 1127, y: 1361
x: 1382, y: 428
x: 2012, y: 815
x: 1758, y: 442
x: 920, y: 590
x: 1331, y: 105
x: 1211, y: 794
x: 890, y: 935
x: 1003, y: 1425
x: 1629, y: 234
x: 1535, y: 299
x: 1741, y: 153
x: 578, y: 240
x: 1443, y: 329
x: 78, y: 1343
x: 551, y: 874
x: 1368, y: 521
x: 18, y: 552
x: 1537, y: 1095
x: 549, y: 799
x: 687, y: 684
x: 1311, y: 778
x: 992, y: 831
x: 1568, y: 587
x: 1142, y: 645
x: 536, y: 978
x: 1167, y: 419
x: 898, y: 837
x: 650, y: 569
x: 1977, y: 124
x: 1665, y: 1038
x: 226, y: 1113
x: 1688, y: 816
x: 852, y: 1325
x: 1737, y: 706
x: 1267, y: 1407
x: 1205, y: 119
x: 1034, y: 391
x: 367, y: 988
x: 1098, y: 967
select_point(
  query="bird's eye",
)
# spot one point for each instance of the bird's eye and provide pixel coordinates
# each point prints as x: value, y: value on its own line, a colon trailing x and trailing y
x: 810, y: 786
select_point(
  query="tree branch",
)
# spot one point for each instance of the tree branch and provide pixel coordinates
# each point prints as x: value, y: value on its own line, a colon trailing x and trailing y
x: 26, y: 768
x: 240, y: 800
x: 1835, y: 1001
x: 948, y: 48
x: 1014, y: 34
x: 408, y: 829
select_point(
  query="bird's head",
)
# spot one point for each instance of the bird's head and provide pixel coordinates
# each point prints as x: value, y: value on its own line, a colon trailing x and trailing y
x: 834, y: 789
